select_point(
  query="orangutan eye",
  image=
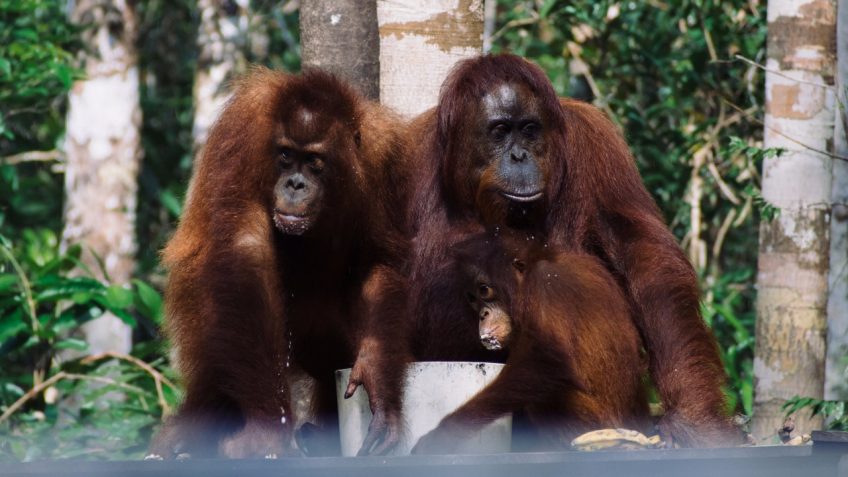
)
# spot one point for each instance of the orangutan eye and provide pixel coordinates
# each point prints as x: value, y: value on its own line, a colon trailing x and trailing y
x: 499, y: 130
x: 316, y: 164
x: 285, y: 157
x: 486, y: 292
x: 530, y: 130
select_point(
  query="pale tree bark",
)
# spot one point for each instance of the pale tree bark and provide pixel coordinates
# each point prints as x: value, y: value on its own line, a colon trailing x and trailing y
x: 222, y: 39
x: 419, y: 43
x: 340, y: 36
x: 103, y: 154
x: 793, y: 260
x: 836, y: 376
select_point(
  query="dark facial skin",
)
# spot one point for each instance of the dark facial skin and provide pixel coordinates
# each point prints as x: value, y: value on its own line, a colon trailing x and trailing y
x: 512, y: 145
x: 495, y: 323
x: 492, y: 303
x: 302, y: 155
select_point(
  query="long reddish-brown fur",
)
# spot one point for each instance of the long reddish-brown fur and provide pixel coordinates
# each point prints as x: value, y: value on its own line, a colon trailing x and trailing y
x: 244, y: 301
x: 595, y: 203
x: 574, y: 361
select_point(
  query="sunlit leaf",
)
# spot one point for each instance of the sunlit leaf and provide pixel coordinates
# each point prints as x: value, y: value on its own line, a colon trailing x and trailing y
x: 72, y: 343
x: 148, y: 302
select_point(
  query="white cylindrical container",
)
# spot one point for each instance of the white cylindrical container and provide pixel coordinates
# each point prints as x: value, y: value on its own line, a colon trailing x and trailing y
x: 432, y: 391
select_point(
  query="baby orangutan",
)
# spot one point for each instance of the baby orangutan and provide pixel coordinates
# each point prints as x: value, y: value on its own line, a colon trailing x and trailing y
x: 495, y: 322
x: 574, y: 360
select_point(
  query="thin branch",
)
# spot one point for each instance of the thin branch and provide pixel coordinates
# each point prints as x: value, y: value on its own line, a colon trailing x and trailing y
x: 34, y: 156
x: 722, y: 233
x: 722, y: 185
x: 131, y: 359
x: 695, y: 193
x: 709, y: 39
x: 31, y: 394
x: 158, y: 378
x: 36, y: 390
x: 778, y: 73
x: 104, y: 380
x: 789, y: 138
x: 27, y: 287
x: 574, y: 49
x: 746, y: 209
x: 514, y: 23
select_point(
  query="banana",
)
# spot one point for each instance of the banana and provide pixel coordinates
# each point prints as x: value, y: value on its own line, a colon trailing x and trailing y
x: 614, y: 439
x: 798, y: 440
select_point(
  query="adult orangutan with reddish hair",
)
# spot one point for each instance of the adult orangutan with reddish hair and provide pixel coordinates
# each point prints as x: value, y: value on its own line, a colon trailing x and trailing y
x: 501, y: 152
x: 287, y: 255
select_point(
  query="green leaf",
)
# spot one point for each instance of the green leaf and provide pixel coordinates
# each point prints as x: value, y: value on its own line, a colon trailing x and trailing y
x: 12, y: 324
x: 171, y: 203
x: 72, y: 343
x: 124, y: 316
x: 148, y: 302
x: 118, y: 297
x: 13, y: 389
x: 7, y: 281
x: 64, y: 73
x: 5, y: 67
x: 27, y: 34
x: 56, y: 288
x: 546, y: 8
x: 747, y: 393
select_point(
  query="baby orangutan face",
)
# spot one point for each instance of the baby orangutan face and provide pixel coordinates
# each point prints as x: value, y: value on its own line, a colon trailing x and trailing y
x: 495, y: 323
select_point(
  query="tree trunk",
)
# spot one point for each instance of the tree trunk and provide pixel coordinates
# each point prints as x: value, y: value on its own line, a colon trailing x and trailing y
x: 836, y: 382
x: 222, y: 38
x: 103, y: 155
x: 490, y: 10
x: 793, y: 260
x: 340, y: 36
x: 419, y: 43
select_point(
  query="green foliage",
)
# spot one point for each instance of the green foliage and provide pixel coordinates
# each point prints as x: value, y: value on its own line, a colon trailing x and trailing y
x: 756, y: 155
x: 833, y: 412
x: 731, y: 317
x: 666, y: 73
x: 99, y: 406
x: 167, y: 49
x: 36, y: 70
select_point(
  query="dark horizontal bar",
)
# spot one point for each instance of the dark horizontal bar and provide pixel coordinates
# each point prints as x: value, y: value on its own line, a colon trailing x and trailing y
x: 774, y: 461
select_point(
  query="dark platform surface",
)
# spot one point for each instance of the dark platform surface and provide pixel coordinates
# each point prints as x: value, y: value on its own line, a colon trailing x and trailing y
x: 827, y: 457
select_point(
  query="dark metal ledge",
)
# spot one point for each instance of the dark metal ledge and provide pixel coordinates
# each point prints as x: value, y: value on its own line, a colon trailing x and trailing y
x: 828, y: 456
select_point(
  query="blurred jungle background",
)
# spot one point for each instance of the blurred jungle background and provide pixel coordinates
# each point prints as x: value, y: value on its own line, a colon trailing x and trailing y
x: 671, y: 73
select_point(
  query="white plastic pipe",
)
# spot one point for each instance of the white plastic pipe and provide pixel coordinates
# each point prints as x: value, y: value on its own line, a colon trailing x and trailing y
x: 432, y: 391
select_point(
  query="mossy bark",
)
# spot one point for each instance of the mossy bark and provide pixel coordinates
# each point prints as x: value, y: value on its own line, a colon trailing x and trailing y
x: 340, y: 36
x: 103, y: 150
x: 222, y: 38
x: 836, y: 376
x: 793, y: 261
